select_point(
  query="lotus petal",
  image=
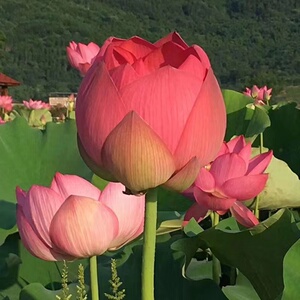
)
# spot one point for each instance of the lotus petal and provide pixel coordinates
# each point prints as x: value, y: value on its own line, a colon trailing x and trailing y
x: 245, y: 153
x: 189, y: 192
x: 236, y: 144
x: 86, y: 53
x: 21, y: 196
x: 41, y: 205
x: 162, y: 105
x: 202, y: 56
x: 259, y: 163
x: 169, y: 54
x: 67, y: 185
x: 83, y: 227
x: 136, y: 155
x: 243, y: 215
x: 223, y: 150
x: 129, y: 210
x: 174, y: 37
x: 196, y: 211
x: 83, y: 68
x: 193, y: 65
x: 205, y: 181
x: 185, y: 177
x: 212, y: 202
x: 93, y: 48
x: 123, y: 75
x: 97, y: 93
x: 245, y: 187
x: 74, y: 57
x: 103, y: 49
x: 33, y: 243
x: 137, y: 46
x: 204, y: 130
x: 116, y: 56
x: 227, y: 166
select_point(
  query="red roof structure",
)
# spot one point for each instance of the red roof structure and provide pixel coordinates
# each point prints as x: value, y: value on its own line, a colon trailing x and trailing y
x: 5, y: 82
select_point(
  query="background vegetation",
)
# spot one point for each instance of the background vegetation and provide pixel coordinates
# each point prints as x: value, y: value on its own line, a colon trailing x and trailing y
x: 249, y: 41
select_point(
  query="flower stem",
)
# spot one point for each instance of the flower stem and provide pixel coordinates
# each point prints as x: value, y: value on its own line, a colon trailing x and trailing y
x: 216, y: 267
x: 256, y: 209
x: 94, y: 278
x: 2, y: 113
x: 261, y: 143
x: 149, y: 245
x: 261, y: 150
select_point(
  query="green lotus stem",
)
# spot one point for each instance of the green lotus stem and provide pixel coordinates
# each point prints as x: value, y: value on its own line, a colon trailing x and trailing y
x: 256, y: 209
x: 261, y: 150
x: 216, y: 267
x: 149, y: 245
x: 261, y: 143
x: 94, y: 278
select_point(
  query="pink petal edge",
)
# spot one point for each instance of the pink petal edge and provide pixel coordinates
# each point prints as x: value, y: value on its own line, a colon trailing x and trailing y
x: 243, y: 215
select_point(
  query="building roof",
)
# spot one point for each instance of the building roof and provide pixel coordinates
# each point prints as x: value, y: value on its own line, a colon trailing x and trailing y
x: 5, y: 80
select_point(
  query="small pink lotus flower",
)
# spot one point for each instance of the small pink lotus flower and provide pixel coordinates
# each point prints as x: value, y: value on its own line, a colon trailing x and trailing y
x: 231, y: 178
x: 73, y: 219
x: 260, y: 95
x: 6, y: 103
x: 82, y: 56
x: 2, y: 121
x: 71, y: 98
x: 267, y: 93
x: 70, y: 104
x: 38, y: 104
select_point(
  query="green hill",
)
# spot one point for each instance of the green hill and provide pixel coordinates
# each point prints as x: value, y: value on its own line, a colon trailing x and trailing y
x: 248, y: 41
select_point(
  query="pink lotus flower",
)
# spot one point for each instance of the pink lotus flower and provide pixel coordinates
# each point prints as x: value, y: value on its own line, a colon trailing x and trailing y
x: 73, y: 219
x: 260, y: 95
x: 150, y: 114
x: 230, y: 179
x: 81, y: 56
x: 6, y: 103
x: 267, y: 94
x: 31, y: 104
x: 2, y: 121
x: 71, y: 98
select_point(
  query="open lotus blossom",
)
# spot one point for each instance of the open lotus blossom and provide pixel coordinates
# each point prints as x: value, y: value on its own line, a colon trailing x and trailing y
x: 36, y: 104
x: 6, y: 103
x: 231, y: 178
x: 73, y: 219
x: 150, y: 114
x: 260, y: 95
x: 81, y: 56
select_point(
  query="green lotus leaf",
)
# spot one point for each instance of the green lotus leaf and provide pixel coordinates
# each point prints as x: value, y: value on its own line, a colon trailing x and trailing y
x: 283, y: 186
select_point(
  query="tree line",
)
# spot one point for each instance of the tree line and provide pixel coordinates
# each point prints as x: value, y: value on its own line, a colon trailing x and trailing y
x: 248, y: 41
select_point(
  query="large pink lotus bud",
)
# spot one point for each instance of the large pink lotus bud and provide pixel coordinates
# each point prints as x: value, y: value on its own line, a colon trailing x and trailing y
x: 73, y: 219
x: 150, y: 114
x: 81, y: 56
x: 231, y: 178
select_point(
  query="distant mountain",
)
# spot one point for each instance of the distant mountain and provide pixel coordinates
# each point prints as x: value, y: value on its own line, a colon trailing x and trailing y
x: 248, y: 41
